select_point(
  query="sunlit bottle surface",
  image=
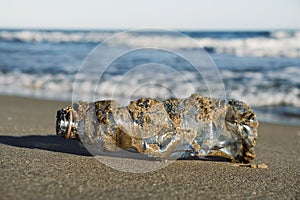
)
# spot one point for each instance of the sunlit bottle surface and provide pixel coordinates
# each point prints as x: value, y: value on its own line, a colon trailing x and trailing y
x: 194, y: 127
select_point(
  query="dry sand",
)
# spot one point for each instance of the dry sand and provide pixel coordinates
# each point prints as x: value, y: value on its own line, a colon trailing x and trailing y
x: 36, y: 164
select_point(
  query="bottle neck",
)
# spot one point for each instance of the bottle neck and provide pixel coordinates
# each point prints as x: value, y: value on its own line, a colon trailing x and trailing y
x: 65, y: 125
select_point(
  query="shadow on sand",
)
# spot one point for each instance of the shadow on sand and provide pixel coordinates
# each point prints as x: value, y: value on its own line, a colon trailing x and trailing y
x: 47, y: 142
x: 58, y: 144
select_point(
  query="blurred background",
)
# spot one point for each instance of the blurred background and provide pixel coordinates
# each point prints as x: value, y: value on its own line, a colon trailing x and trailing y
x: 255, y: 45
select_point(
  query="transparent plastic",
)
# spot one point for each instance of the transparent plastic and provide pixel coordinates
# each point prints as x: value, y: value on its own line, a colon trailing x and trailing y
x: 194, y: 127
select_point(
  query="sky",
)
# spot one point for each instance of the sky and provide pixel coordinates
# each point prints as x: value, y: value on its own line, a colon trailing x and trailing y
x: 128, y: 14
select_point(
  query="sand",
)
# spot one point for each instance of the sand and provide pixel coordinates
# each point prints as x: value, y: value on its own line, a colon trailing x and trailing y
x: 37, y: 164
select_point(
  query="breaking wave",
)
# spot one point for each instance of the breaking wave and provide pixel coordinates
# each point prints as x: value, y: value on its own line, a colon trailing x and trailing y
x: 257, y: 44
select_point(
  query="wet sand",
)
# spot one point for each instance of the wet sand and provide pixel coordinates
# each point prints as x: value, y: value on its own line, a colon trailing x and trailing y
x: 37, y: 164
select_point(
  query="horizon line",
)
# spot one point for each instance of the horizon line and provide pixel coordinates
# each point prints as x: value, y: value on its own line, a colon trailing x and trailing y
x: 134, y: 28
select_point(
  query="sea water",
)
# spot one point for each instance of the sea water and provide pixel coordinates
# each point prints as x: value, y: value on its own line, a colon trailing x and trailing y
x: 261, y: 68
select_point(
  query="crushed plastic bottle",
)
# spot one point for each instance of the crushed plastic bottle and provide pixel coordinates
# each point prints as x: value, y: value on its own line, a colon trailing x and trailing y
x: 194, y: 127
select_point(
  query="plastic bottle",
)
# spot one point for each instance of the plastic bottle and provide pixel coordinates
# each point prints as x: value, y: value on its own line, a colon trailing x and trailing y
x: 194, y: 127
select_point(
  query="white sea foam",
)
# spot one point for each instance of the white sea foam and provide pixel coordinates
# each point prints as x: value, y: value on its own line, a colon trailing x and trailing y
x: 279, y: 44
x: 53, y: 36
x: 257, y: 91
x: 257, y: 46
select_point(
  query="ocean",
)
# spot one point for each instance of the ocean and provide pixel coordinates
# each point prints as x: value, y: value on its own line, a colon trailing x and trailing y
x: 261, y: 68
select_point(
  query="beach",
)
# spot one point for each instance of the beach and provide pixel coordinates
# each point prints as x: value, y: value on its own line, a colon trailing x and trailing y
x: 37, y: 164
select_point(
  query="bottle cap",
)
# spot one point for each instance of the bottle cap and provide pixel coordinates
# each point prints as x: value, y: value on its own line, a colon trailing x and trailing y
x: 65, y: 125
